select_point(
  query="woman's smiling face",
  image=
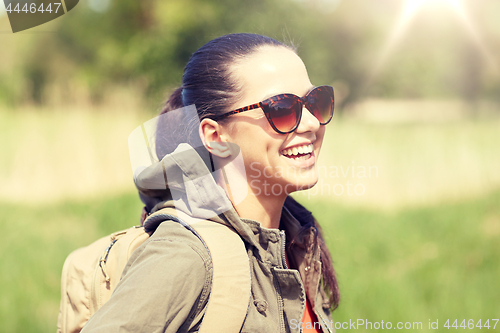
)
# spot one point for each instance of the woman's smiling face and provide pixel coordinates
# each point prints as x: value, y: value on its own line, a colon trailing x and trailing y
x: 276, y: 164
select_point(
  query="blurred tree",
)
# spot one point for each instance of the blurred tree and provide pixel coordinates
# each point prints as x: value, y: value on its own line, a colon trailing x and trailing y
x: 146, y: 44
x: 470, y: 85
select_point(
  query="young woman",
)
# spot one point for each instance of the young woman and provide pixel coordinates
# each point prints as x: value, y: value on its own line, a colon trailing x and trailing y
x: 253, y: 99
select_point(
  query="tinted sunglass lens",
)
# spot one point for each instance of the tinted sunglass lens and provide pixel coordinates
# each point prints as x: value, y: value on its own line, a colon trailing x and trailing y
x: 284, y: 114
x: 321, y: 105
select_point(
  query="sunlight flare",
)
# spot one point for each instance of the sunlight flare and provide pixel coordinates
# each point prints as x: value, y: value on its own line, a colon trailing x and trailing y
x: 408, y: 14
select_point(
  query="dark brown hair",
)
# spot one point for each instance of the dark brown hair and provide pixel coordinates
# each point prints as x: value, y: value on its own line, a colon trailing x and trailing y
x: 308, y: 222
x: 207, y: 83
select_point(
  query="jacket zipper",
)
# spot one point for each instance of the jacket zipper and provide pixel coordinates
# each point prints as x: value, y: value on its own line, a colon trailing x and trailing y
x: 283, y: 242
x: 283, y: 245
x: 325, y: 323
x: 280, y: 300
x: 283, y: 248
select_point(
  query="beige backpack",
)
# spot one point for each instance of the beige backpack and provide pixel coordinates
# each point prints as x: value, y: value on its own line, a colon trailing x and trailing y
x: 90, y: 274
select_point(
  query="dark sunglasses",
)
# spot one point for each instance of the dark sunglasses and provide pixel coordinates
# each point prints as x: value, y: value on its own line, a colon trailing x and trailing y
x: 284, y: 111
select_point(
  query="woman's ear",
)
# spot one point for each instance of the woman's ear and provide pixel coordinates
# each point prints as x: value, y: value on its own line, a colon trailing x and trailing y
x: 212, y: 138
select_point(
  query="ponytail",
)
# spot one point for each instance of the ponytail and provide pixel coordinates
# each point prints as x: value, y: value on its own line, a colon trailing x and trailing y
x: 174, y: 101
x: 176, y: 128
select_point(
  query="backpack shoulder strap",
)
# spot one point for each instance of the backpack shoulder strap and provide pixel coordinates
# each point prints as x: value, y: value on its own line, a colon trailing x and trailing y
x: 231, y: 282
x: 109, y: 269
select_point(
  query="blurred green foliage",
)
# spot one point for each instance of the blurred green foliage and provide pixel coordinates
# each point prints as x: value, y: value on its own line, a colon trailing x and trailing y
x: 145, y: 45
x: 438, y: 262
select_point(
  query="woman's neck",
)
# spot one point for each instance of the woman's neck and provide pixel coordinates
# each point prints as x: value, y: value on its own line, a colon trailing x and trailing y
x: 265, y: 209
x: 257, y: 204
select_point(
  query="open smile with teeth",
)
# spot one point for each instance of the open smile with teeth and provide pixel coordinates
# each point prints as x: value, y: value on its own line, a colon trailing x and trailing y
x: 298, y: 152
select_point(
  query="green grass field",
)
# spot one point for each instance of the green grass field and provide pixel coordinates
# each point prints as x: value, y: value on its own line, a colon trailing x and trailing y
x: 439, y: 262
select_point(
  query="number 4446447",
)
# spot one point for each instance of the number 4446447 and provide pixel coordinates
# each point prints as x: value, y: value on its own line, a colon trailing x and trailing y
x: 470, y: 324
x: 33, y: 8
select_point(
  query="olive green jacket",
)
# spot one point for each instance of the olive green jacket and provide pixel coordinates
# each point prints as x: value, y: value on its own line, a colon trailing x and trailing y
x: 166, y: 284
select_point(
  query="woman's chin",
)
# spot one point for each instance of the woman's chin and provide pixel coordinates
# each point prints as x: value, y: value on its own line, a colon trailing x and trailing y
x: 301, y: 185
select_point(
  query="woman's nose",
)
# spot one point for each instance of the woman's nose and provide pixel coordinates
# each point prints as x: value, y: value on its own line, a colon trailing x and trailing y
x: 308, y: 122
